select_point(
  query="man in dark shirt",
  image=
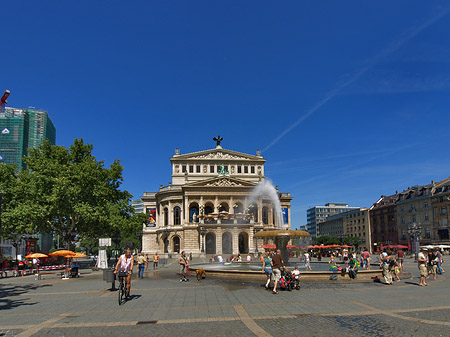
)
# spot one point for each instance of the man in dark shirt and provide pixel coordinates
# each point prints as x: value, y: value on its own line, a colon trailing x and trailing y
x: 277, y: 261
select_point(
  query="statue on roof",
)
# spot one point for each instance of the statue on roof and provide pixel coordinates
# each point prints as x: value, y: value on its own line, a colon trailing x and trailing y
x: 218, y: 140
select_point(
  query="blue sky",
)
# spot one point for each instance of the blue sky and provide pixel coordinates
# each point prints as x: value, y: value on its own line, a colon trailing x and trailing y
x: 348, y: 100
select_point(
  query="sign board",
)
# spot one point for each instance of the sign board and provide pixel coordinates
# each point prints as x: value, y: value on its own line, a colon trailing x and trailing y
x: 102, y: 261
x: 5, y: 131
x: 2, y: 157
x: 151, y: 217
x: 105, y: 242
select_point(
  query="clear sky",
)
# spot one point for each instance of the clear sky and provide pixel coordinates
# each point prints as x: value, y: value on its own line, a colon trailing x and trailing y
x: 347, y: 99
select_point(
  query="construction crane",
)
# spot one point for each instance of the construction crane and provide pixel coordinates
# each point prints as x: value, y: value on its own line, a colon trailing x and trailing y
x: 3, y: 100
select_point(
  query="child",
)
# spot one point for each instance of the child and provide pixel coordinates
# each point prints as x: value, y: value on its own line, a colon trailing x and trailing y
x: 395, y: 270
x: 296, y: 274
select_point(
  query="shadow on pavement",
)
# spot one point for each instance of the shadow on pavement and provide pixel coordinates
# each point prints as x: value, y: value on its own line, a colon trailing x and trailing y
x: 7, y: 291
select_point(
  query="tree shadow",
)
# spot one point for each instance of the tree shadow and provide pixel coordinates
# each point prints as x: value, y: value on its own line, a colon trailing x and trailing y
x: 7, y: 291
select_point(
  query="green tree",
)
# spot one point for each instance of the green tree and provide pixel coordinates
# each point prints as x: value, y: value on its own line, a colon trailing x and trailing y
x: 69, y: 193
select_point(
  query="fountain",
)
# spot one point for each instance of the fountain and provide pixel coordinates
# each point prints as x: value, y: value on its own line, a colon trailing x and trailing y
x: 266, y: 189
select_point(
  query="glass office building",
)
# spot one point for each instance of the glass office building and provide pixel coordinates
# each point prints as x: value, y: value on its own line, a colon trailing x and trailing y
x: 23, y: 129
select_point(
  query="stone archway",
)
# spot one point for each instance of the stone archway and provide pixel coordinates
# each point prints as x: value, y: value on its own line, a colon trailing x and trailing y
x: 227, y: 243
x: 210, y: 242
x: 243, y: 243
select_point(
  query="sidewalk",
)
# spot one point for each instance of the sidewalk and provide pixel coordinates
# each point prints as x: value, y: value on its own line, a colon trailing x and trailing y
x: 161, y: 305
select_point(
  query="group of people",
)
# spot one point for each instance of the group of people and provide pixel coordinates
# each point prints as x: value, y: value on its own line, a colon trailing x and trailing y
x: 430, y: 263
x: 144, y: 261
x: 272, y: 264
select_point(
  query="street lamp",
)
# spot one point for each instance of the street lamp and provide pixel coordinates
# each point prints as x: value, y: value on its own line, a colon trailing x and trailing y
x: 203, y: 233
x: 415, y: 231
x: 139, y: 235
x: 166, y: 232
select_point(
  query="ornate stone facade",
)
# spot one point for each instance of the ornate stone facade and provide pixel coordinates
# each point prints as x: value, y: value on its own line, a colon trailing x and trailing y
x: 209, y: 207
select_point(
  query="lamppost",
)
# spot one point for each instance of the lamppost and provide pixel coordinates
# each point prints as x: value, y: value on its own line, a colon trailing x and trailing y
x: 415, y: 231
x: 166, y: 232
x: 203, y: 233
x: 139, y: 235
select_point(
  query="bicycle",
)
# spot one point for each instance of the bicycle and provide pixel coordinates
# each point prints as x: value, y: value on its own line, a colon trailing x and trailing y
x: 122, y: 287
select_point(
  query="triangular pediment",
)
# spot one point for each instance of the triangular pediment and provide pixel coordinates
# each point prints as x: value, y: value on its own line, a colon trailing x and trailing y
x: 221, y: 181
x: 218, y: 154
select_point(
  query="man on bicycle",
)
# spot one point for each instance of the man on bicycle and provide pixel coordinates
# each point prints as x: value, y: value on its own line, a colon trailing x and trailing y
x: 125, y: 265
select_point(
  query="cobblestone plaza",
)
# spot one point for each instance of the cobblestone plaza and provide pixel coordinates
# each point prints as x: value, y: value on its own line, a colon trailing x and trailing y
x: 162, y: 306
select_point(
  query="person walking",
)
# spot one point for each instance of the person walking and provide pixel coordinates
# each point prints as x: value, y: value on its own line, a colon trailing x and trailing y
x: 277, y: 263
x: 400, y: 257
x: 141, y: 265
x: 155, y: 261
x: 307, y: 258
x: 184, y: 264
x: 432, y: 264
x: 267, y: 268
x: 439, y: 260
x: 386, y: 258
x: 422, y: 264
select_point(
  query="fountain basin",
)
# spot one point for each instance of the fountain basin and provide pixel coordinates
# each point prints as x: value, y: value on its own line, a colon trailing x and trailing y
x: 245, y: 270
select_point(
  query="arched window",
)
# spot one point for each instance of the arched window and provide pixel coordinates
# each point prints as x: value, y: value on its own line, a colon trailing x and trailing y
x: 166, y: 217
x: 177, y: 215
x: 193, y: 209
x: 209, y: 208
x: 265, y: 215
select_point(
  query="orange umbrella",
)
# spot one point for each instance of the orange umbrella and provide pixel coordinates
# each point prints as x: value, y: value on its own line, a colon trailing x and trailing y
x: 63, y: 253
x: 79, y: 255
x: 268, y: 246
x: 35, y: 256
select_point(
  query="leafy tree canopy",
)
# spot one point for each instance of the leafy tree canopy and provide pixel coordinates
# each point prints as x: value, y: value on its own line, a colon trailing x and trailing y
x: 66, y: 192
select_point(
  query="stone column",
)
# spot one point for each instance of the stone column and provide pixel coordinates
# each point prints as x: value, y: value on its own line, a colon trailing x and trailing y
x: 186, y: 209
x: 251, y: 247
x: 235, y: 240
x: 218, y: 233
x: 170, y: 213
x: 259, y: 210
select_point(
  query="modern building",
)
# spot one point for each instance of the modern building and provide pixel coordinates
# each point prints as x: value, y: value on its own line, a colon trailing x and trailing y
x: 138, y: 205
x: 440, y: 203
x: 20, y: 130
x: 23, y: 129
x: 318, y: 214
x: 414, y: 207
x: 333, y: 226
x: 211, y: 206
x: 357, y: 224
x: 383, y: 221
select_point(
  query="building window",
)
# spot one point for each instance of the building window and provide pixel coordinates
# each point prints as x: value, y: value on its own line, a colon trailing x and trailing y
x: 425, y: 204
x: 226, y: 168
x: 413, y: 218
x: 252, y: 168
x: 443, y: 210
x: 177, y: 216
x: 245, y: 169
x: 198, y: 169
x: 265, y: 215
x: 427, y: 233
x: 166, y: 217
x: 183, y: 168
x: 239, y: 169
x: 211, y: 169
x: 191, y: 168
x: 403, y: 220
x: 425, y: 217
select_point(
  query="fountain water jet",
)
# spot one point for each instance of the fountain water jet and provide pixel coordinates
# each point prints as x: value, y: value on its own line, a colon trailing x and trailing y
x: 266, y: 189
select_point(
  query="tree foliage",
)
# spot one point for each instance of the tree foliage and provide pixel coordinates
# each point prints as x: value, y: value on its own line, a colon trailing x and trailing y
x: 66, y: 192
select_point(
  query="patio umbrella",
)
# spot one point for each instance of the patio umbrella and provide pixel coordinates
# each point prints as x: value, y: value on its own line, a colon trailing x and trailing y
x: 79, y: 255
x: 401, y: 246
x: 346, y: 246
x: 443, y: 246
x: 291, y: 246
x: 268, y: 246
x: 63, y: 253
x: 35, y: 256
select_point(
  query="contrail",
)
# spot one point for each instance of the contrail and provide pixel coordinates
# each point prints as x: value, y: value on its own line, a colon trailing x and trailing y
x: 408, y: 35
